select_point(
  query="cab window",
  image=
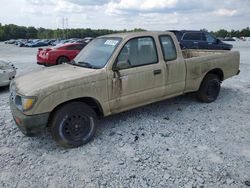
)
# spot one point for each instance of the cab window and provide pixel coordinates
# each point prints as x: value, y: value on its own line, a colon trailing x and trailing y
x: 168, y: 48
x: 210, y: 38
x: 139, y: 52
x: 192, y: 36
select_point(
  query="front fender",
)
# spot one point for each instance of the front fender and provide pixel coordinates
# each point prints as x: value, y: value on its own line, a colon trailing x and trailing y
x: 95, y: 90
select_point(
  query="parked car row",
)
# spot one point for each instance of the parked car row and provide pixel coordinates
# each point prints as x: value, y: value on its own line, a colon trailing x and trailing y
x: 45, y: 42
x: 31, y: 42
x: 232, y: 39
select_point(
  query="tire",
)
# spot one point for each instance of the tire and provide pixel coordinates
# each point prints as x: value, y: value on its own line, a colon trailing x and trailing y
x: 73, y: 125
x: 61, y: 60
x: 209, y: 89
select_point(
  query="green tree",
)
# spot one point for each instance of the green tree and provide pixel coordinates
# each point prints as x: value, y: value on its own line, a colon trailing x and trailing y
x: 31, y: 33
x: 222, y: 33
x: 245, y: 32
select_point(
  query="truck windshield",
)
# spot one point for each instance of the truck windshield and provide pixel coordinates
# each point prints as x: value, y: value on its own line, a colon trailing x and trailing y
x: 97, y: 53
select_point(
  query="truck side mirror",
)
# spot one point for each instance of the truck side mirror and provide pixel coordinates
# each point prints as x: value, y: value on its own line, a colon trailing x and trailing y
x: 122, y: 65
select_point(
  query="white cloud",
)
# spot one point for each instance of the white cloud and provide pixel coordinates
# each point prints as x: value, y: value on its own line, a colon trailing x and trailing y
x: 65, y: 7
x: 138, y: 5
x: 40, y: 2
x: 158, y: 4
x: 127, y: 14
x: 226, y: 12
x: 160, y: 19
x: 88, y: 2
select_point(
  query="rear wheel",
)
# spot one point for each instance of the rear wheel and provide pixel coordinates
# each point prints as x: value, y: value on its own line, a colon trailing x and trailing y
x: 73, y: 125
x: 209, y: 89
x: 61, y: 60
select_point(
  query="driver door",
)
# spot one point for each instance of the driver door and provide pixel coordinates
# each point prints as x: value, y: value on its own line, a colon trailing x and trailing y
x: 138, y: 78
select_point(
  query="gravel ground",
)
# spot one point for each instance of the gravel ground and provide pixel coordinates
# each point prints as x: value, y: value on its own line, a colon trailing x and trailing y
x: 174, y: 143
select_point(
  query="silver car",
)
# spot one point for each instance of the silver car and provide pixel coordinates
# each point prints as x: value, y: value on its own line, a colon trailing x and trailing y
x: 7, y: 72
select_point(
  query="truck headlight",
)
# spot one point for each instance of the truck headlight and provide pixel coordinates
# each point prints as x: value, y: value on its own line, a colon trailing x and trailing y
x: 27, y: 102
x: 24, y: 103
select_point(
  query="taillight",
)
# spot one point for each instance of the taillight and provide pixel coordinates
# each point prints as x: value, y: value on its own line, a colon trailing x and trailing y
x: 39, y: 50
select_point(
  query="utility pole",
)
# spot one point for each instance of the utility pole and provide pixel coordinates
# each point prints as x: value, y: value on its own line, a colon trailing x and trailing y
x: 63, y: 36
x: 67, y: 27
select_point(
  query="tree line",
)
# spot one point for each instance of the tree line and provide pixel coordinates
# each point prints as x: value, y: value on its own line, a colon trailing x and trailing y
x: 233, y: 33
x: 12, y: 31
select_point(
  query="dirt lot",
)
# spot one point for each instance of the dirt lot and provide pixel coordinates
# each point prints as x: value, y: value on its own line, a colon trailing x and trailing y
x: 175, y: 143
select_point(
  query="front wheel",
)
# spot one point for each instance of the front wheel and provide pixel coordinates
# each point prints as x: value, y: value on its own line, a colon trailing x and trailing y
x: 209, y: 89
x: 73, y: 125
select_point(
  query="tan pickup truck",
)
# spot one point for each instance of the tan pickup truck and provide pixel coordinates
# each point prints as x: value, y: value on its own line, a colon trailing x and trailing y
x: 114, y: 73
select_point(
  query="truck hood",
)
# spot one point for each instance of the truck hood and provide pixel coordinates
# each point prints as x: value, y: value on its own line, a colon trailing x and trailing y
x: 36, y: 81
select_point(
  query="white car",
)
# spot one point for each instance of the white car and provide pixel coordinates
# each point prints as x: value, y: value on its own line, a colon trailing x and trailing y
x: 7, y: 72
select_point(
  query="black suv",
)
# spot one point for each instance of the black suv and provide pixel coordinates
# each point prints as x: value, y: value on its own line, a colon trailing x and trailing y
x: 200, y: 40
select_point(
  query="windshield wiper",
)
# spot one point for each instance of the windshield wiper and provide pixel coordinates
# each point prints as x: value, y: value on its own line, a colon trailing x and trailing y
x: 82, y: 64
x: 86, y: 64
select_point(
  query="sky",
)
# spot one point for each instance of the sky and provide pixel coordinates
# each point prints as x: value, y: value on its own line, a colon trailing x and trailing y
x: 127, y: 14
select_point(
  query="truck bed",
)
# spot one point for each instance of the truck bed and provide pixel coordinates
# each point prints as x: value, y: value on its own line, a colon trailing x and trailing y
x: 200, y: 62
x: 189, y: 53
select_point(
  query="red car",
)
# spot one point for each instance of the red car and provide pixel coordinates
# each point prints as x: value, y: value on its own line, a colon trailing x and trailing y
x: 59, y: 55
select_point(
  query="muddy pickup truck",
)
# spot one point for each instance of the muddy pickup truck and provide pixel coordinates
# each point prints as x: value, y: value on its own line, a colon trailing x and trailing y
x: 114, y: 73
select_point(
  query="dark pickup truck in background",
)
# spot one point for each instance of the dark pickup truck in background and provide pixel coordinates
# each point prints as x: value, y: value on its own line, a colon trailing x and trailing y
x: 200, y: 40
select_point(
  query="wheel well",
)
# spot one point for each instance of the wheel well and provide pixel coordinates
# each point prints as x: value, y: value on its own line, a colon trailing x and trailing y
x: 93, y: 103
x: 218, y: 72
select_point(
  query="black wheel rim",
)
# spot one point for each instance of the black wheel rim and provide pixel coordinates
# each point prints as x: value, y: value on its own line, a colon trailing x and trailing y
x: 76, y: 127
x: 213, y: 90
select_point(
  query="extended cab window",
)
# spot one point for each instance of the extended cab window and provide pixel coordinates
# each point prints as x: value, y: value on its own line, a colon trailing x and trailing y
x: 138, y: 52
x: 168, y: 48
x: 192, y: 36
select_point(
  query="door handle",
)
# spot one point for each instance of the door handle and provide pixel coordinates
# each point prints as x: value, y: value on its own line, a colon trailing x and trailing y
x: 123, y: 77
x: 120, y: 78
x: 158, y: 71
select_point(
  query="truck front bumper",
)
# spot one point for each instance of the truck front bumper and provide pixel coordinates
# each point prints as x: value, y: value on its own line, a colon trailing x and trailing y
x: 29, y: 125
